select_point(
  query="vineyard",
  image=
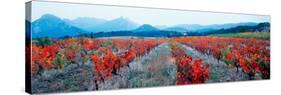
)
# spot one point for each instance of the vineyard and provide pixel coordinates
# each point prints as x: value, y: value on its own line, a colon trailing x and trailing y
x: 75, y: 64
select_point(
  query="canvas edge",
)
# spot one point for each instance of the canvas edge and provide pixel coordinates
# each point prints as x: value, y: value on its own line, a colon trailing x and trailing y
x: 28, y: 7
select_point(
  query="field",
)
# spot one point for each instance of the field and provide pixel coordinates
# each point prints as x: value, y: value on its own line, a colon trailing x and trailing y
x: 256, y: 35
x: 77, y: 64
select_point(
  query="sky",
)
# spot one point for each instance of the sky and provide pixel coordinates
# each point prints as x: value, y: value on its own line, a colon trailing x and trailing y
x: 140, y: 15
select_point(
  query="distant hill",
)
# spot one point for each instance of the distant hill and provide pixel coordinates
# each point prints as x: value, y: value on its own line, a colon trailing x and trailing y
x: 51, y: 26
x: 86, y: 23
x: 261, y: 27
x: 203, y: 28
x: 101, y: 25
x: 145, y: 28
x: 178, y: 29
x: 135, y: 34
x: 118, y: 24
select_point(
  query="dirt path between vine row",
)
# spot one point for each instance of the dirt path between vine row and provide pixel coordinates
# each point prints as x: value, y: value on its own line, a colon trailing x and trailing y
x: 220, y: 72
x: 156, y: 68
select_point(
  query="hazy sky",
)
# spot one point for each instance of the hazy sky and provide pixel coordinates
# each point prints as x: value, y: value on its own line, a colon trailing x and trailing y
x: 140, y: 15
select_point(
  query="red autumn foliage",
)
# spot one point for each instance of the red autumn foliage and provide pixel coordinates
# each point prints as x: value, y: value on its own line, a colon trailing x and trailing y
x: 252, y: 55
x: 107, y: 62
x: 189, y: 71
x: 43, y: 56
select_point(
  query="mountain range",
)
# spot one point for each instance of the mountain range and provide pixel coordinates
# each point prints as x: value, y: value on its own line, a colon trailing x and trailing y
x: 86, y: 23
x: 52, y: 26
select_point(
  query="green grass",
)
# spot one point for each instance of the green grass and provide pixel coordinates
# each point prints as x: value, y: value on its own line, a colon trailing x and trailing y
x: 256, y: 35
